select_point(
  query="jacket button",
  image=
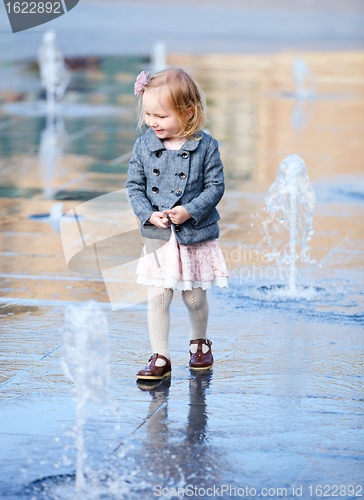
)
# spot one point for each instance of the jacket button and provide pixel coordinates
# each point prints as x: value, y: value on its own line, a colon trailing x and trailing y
x: 182, y: 175
x: 155, y: 171
x: 178, y: 192
x: 155, y: 207
x: 177, y: 227
x: 155, y: 189
x: 158, y: 154
x: 184, y: 155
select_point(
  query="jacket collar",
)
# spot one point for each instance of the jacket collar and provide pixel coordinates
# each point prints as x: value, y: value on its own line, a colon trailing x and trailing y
x: 155, y: 144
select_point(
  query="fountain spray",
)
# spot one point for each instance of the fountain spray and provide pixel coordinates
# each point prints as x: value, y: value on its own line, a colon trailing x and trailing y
x: 85, y: 361
x: 290, y: 204
x: 53, y: 70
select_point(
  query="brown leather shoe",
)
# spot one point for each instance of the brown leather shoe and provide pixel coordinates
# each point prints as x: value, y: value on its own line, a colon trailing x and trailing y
x: 152, y: 372
x: 200, y: 360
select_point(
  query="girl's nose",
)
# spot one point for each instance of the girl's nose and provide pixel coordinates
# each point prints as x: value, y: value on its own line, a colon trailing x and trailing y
x: 152, y: 123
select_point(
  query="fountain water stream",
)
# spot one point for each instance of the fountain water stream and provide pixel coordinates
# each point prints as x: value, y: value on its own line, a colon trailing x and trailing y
x: 85, y: 361
x: 290, y: 205
x: 53, y: 70
x: 159, y: 57
x: 303, y: 78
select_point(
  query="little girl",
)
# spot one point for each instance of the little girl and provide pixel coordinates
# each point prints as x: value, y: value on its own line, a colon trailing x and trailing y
x: 175, y: 180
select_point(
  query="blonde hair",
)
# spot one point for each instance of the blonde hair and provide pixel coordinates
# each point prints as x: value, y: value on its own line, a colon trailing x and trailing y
x: 184, y: 94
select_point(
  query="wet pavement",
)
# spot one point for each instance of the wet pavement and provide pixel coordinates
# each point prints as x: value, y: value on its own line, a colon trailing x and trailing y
x: 283, y: 407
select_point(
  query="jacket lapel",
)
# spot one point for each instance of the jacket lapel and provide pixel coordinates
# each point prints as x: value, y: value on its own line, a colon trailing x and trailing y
x: 155, y: 144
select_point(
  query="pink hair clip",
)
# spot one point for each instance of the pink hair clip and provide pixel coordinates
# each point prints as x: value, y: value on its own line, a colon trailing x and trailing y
x: 141, y: 81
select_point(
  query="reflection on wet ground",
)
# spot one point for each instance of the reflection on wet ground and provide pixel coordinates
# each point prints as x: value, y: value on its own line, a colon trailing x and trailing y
x: 283, y: 406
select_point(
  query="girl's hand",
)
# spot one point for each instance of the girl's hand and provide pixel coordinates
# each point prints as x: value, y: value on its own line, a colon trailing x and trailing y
x: 178, y: 214
x: 159, y: 220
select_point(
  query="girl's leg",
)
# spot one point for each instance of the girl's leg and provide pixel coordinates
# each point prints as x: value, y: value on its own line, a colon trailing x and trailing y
x: 159, y: 300
x: 198, y: 311
x: 200, y: 347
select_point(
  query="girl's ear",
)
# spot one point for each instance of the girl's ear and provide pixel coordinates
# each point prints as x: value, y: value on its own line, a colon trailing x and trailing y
x: 189, y: 113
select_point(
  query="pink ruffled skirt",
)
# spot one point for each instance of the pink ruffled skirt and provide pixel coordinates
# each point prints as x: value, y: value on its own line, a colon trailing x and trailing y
x: 182, y: 267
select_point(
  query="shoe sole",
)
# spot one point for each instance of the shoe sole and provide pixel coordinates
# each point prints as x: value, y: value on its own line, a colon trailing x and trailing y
x: 153, y: 377
x: 200, y: 367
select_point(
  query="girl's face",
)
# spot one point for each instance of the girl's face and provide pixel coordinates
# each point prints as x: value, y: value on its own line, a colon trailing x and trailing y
x: 158, y: 114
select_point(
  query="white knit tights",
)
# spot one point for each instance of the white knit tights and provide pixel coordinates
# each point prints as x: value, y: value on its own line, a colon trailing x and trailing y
x: 159, y: 301
x: 198, y: 311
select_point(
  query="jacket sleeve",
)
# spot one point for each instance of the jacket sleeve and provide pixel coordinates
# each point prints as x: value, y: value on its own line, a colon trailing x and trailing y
x: 136, y: 185
x: 214, y: 186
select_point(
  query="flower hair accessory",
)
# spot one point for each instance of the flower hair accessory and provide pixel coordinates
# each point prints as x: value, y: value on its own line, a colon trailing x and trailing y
x: 141, y: 81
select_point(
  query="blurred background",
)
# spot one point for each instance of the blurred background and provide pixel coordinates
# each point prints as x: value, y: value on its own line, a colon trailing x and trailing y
x: 281, y: 77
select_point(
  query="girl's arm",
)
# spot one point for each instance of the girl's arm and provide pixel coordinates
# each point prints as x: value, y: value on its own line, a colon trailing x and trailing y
x: 214, y: 186
x: 136, y: 186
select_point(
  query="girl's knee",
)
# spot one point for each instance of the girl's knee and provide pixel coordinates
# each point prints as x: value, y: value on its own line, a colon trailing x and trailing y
x: 194, y: 298
x: 159, y: 296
